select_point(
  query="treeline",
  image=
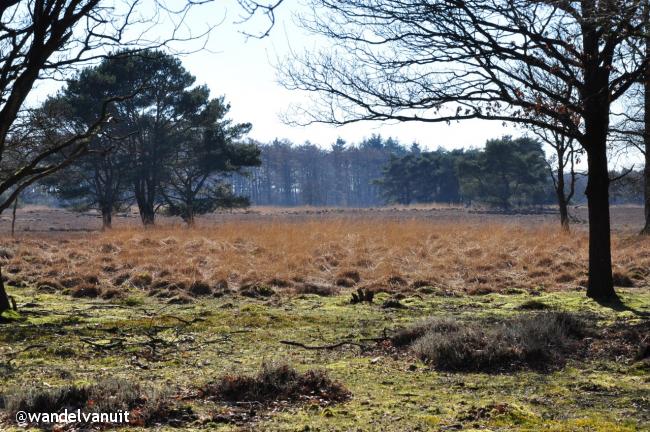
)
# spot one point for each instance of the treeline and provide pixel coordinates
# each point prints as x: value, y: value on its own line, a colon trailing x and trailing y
x: 295, y: 175
x: 506, y: 173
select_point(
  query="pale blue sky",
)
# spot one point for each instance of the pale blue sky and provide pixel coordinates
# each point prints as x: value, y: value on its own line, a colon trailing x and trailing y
x: 242, y: 69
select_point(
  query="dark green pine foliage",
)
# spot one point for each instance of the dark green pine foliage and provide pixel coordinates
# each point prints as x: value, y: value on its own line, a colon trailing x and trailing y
x: 206, y: 152
x: 507, y: 173
x: 169, y: 146
x: 99, y: 179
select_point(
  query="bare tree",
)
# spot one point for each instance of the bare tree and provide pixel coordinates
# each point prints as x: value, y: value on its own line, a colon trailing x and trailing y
x: 449, y: 60
x: 41, y: 39
x: 561, y: 163
x: 632, y: 128
x: 267, y: 9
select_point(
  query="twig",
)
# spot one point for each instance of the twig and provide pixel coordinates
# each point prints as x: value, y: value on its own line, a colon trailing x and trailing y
x: 323, y: 347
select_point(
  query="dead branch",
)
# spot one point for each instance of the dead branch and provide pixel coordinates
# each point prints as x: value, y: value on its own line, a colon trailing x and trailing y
x: 323, y: 347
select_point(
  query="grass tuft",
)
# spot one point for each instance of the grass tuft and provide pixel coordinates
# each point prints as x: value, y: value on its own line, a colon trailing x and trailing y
x: 277, y: 382
x: 536, y: 341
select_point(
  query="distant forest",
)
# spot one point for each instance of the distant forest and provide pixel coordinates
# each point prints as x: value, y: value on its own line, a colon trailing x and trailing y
x: 377, y: 171
x: 507, y: 173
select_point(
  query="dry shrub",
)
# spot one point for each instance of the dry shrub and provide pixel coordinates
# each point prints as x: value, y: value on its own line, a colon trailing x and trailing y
x: 277, y: 382
x: 421, y: 283
x: 86, y: 290
x: 565, y: 278
x: 364, y: 262
x: 200, y: 288
x: 256, y: 290
x: 109, y: 268
x: 350, y: 274
x: 121, y: 278
x: 180, y: 299
x: 345, y: 282
x: 108, y: 248
x: 91, y: 279
x: 112, y: 293
x: 279, y: 282
x: 533, y: 305
x: 538, y: 341
x: 622, y: 280
x: 49, y: 285
x: 141, y: 280
x: 482, y: 289
x: 396, y: 281
x: 147, y: 406
x: 71, y: 282
x: 315, y: 288
x: 408, y: 335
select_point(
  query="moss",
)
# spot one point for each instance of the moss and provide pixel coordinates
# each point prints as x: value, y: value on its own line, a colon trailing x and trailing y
x: 390, y: 392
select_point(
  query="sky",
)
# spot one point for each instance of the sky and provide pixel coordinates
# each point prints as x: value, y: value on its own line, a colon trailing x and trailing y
x: 242, y: 68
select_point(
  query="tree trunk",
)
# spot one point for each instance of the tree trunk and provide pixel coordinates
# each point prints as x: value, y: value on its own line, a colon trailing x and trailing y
x: 13, y: 217
x: 561, y: 196
x: 564, y: 212
x: 646, y: 133
x: 107, y: 218
x: 4, y: 298
x: 145, y: 207
x: 189, y: 218
x: 646, y: 171
x: 147, y: 215
x: 601, y: 284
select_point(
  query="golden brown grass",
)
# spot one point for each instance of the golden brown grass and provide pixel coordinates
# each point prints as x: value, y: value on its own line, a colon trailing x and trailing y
x: 375, y: 254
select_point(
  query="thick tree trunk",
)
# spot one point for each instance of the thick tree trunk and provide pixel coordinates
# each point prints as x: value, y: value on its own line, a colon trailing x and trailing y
x: 646, y: 138
x: 189, y: 217
x: 145, y: 207
x: 147, y: 215
x: 646, y: 126
x: 601, y: 284
x: 4, y: 298
x: 564, y: 212
x: 107, y: 218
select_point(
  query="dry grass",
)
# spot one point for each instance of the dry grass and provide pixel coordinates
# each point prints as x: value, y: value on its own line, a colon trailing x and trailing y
x: 277, y: 382
x: 344, y: 254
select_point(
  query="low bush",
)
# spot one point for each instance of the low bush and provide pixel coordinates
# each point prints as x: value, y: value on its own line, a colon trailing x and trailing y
x: 255, y: 290
x: 538, y: 341
x: 277, y: 382
x: 86, y: 290
x: 317, y: 289
x: 146, y: 406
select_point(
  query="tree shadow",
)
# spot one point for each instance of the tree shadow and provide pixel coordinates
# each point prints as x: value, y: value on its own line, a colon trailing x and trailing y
x: 616, y: 304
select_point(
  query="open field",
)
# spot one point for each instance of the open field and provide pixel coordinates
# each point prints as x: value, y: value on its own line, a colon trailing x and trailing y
x: 38, y: 219
x: 181, y: 315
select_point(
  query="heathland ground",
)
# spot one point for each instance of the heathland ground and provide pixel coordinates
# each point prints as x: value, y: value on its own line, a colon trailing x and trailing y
x: 434, y: 318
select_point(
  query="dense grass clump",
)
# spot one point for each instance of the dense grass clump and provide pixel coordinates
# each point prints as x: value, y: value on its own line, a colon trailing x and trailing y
x: 277, y: 382
x: 147, y: 406
x: 538, y: 341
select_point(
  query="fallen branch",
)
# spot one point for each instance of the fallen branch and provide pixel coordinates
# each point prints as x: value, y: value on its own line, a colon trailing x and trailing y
x: 324, y: 347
